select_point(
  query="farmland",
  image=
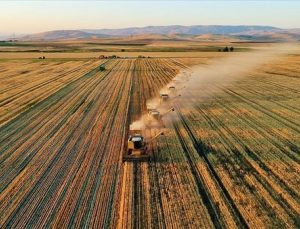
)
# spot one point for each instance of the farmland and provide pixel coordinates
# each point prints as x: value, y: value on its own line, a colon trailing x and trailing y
x: 229, y: 157
x: 230, y: 160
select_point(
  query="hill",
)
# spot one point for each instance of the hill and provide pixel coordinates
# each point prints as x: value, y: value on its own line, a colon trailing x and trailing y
x: 175, y: 32
x: 179, y: 29
x: 62, y: 35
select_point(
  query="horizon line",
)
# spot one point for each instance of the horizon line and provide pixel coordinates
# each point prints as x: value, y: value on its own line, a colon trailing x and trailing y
x: 132, y: 27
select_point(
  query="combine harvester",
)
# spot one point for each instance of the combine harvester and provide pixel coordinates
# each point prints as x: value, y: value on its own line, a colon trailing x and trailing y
x: 171, y: 88
x: 137, y: 145
x: 164, y: 97
x: 155, y: 117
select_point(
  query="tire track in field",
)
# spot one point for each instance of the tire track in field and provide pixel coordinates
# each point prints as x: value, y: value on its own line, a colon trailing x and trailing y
x: 283, y: 203
x: 200, y: 150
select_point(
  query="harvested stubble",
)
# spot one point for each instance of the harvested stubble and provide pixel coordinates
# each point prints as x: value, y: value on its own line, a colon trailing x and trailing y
x: 60, y: 157
x: 244, y: 173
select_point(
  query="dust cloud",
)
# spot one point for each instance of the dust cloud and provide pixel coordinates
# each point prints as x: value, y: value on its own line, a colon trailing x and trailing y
x: 190, y: 85
x: 226, y: 71
x: 139, y: 124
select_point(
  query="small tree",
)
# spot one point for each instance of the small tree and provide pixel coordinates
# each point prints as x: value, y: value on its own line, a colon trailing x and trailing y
x: 225, y: 49
x: 231, y: 49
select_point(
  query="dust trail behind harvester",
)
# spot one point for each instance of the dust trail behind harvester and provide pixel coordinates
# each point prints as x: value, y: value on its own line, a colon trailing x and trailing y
x: 191, y: 85
x: 138, y: 124
x: 225, y: 71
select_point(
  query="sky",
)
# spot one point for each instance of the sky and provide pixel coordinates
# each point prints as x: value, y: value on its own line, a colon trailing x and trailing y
x: 23, y: 17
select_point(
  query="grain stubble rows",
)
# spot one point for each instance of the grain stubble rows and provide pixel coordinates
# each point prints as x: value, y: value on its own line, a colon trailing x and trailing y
x: 228, y: 161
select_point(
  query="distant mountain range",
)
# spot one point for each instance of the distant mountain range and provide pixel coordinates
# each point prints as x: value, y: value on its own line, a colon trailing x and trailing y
x: 61, y: 35
x: 181, y: 32
x: 179, y: 29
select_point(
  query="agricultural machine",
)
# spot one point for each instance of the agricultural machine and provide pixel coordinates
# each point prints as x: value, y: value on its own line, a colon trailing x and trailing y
x: 155, y: 114
x: 164, y: 96
x: 137, y: 145
x: 155, y: 118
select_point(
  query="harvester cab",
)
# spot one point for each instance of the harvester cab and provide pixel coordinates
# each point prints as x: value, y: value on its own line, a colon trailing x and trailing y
x: 136, y: 143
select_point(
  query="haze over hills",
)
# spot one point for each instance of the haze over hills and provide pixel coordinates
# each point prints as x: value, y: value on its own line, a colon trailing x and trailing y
x: 179, y: 29
x: 182, y: 32
x: 62, y: 34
